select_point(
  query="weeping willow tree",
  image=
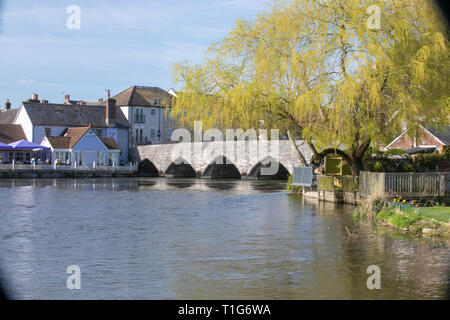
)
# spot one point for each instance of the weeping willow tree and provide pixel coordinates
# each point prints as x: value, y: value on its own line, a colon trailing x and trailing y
x: 329, y: 71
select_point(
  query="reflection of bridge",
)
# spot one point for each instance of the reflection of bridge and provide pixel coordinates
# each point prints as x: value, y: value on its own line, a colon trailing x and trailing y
x: 215, y: 160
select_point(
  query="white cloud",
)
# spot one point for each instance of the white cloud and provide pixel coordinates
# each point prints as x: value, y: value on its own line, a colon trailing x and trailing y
x: 248, y: 4
x: 26, y: 81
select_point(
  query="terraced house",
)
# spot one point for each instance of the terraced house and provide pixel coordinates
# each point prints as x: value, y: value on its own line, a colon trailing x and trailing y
x: 40, y: 119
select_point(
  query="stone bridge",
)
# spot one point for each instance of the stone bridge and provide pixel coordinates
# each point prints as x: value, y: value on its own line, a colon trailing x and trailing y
x: 260, y: 159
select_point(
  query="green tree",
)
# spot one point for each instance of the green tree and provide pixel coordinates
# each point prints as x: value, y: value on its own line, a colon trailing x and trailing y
x: 323, y: 70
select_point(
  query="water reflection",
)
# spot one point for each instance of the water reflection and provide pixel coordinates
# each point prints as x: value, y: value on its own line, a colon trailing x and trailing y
x: 150, y: 238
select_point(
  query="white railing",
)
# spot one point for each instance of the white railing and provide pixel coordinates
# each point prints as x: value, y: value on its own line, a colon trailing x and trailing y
x: 66, y: 168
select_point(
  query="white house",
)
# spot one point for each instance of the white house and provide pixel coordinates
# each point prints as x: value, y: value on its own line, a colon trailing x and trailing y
x: 148, y: 111
x: 40, y: 119
x: 83, y: 147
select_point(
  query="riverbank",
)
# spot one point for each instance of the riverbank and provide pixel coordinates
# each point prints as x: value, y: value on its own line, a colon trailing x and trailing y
x: 26, y: 171
x: 408, y: 218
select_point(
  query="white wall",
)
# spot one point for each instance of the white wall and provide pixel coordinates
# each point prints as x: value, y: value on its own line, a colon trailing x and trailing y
x: 156, y: 121
x: 23, y: 119
x: 39, y: 132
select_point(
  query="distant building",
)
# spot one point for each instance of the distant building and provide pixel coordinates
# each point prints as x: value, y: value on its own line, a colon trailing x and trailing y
x: 82, y: 146
x: 428, y: 139
x: 40, y: 119
x: 148, y: 111
x: 11, y: 133
x: 7, y: 115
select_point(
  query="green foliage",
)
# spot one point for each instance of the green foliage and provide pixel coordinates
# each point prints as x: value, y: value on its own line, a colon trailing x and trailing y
x: 403, y: 220
x: 314, y: 67
x: 349, y: 183
x: 427, y: 162
x: 333, y: 166
x: 290, y: 187
x: 384, y: 214
x: 395, y: 152
x: 325, y: 183
x: 382, y: 162
x: 378, y: 167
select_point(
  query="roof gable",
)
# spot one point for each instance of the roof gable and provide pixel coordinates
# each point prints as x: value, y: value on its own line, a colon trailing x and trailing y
x: 442, y: 134
x: 74, y: 139
x: 11, y: 133
x: 8, y: 116
x: 144, y: 97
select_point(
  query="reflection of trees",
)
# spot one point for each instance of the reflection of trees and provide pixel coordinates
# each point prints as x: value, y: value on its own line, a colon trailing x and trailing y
x: 220, y: 185
x: 180, y: 184
x: 409, y: 268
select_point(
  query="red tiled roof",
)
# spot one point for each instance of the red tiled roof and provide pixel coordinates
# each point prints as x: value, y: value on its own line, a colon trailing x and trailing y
x: 110, y: 143
x: 11, y: 133
x: 59, y: 142
x: 73, y: 135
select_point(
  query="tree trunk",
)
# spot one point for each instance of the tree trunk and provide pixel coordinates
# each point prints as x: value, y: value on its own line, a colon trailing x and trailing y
x: 297, y: 150
x: 354, y: 159
x: 356, y: 165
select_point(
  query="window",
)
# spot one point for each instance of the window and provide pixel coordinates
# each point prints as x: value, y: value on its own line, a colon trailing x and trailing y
x: 76, y: 157
x: 100, y: 158
x: 112, y: 158
x: 152, y: 111
x: 61, y: 156
x: 99, y: 132
x: 48, y: 132
x: 152, y: 133
x: 139, y: 116
x: 139, y: 135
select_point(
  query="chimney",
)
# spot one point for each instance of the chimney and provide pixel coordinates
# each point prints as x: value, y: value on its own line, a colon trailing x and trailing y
x: 7, y: 104
x: 100, y: 100
x: 110, y: 111
x: 67, y: 98
x: 34, y: 97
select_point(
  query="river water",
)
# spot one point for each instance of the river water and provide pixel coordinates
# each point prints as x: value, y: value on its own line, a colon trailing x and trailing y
x: 147, y: 238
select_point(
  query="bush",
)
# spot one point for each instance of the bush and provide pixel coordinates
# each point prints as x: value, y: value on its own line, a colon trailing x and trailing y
x: 386, y: 213
x: 403, y: 220
x: 395, y: 152
x: 290, y: 187
x: 395, y: 161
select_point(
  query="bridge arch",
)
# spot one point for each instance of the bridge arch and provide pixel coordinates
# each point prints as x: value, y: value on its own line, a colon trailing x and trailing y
x: 146, y: 168
x: 255, y: 170
x: 221, y: 168
x: 180, y: 168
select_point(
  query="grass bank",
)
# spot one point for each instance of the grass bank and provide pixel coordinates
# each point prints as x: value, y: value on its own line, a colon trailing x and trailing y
x: 407, y: 217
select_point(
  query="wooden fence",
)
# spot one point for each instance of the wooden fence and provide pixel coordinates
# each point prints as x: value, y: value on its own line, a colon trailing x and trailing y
x: 403, y: 184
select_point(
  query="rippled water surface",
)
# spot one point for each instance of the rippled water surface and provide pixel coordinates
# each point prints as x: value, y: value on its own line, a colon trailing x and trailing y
x: 201, y: 239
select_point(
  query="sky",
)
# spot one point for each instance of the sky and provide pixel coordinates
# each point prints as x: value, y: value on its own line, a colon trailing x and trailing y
x: 119, y: 43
